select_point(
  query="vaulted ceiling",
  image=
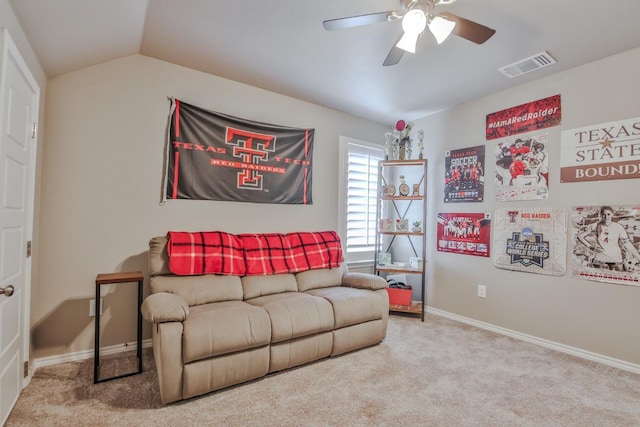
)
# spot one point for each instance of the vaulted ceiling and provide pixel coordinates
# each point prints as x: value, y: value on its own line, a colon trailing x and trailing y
x: 281, y: 45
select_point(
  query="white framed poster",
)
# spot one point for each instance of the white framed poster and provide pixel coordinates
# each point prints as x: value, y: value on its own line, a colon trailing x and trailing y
x: 605, y: 244
x: 600, y: 152
x: 522, y: 168
x: 531, y: 240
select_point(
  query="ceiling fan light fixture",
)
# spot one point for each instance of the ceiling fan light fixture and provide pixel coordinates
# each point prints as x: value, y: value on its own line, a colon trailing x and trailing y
x: 441, y: 28
x: 413, y: 24
x: 408, y: 42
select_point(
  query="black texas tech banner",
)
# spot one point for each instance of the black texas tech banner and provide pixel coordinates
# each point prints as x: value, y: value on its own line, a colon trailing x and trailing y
x: 213, y: 156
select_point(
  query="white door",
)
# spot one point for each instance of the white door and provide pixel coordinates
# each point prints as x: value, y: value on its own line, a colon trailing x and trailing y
x: 19, y: 96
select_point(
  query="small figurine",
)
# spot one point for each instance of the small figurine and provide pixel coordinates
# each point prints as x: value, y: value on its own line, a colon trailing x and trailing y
x: 420, y: 142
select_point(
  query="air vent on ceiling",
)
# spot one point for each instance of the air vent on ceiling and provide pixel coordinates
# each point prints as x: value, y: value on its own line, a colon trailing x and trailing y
x: 527, y: 65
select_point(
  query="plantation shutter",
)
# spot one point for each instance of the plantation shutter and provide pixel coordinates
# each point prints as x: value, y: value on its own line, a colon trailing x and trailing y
x: 362, y: 196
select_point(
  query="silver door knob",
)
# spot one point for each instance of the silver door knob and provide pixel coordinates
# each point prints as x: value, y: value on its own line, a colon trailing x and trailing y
x: 8, y: 291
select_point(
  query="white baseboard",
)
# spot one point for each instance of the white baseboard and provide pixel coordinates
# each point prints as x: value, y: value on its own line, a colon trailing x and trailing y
x: 86, y: 354
x: 606, y: 360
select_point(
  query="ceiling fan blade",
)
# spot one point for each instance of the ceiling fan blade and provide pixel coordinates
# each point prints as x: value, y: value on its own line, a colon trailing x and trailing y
x: 395, y: 54
x: 356, y: 21
x: 469, y: 30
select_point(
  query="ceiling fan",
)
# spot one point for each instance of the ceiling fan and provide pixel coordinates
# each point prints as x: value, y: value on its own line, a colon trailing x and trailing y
x: 417, y: 15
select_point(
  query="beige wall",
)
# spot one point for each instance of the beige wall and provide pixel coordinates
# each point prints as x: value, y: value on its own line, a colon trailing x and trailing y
x: 595, y: 317
x: 101, y: 187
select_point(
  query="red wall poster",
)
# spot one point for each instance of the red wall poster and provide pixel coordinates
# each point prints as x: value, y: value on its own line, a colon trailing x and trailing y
x: 464, y: 175
x: 528, y: 117
x: 464, y: 233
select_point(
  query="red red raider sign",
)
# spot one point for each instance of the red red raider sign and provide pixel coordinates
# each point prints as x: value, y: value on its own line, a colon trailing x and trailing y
x: 213, y: 156
x: 528, y: 117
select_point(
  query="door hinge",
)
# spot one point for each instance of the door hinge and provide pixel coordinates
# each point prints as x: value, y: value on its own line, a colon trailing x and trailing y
x: 34, y: 130
x: 28, y: 248
x: 26, y: 369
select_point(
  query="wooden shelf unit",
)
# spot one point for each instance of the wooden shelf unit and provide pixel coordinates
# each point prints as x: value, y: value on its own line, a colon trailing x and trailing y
x: 398, y: 206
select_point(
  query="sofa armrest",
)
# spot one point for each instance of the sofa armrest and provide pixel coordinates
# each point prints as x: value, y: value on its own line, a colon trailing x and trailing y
x: 164, y: 307
x: 363, y: 281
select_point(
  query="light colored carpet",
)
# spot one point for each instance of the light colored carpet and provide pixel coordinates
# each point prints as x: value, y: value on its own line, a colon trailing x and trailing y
x: 436, y: 373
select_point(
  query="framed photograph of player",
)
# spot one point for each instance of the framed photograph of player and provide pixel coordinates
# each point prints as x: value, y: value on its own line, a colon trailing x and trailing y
x: 464, y: 233
x: 464, y: 175
x: 606, y: 244
x: 522, y: 167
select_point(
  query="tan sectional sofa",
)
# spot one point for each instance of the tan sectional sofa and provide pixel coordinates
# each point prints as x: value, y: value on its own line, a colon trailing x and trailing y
x: 212, y: 331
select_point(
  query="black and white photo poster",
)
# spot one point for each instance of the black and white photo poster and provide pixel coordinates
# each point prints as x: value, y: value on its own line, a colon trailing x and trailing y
x: 605, y: 244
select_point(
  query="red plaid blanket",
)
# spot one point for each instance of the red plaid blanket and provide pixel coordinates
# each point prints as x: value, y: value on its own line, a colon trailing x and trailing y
x: 311, y: 250
x: 212, y: 252
x: 216, y: 252
x: 267, y: 253
x: 276, y: 253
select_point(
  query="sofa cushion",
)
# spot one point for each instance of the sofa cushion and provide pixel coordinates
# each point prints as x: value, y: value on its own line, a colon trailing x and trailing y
x: 224, y: 327
x: 197, y: 290
x: 351, y: 305
x: 321, y: 278
x: 364, y: 281
x: 158, y: 256
x: 295, y: 314
x: 258, y: 286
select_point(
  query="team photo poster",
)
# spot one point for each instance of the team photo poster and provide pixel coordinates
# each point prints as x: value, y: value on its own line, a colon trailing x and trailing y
x: 464, y: 233
x: 464, y: 175
x: 605, y: 244
x: 531, y: 240
x: 522, y: 168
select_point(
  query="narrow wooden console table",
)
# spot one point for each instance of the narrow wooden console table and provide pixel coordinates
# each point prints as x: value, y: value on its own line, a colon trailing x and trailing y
x: 115, y: 278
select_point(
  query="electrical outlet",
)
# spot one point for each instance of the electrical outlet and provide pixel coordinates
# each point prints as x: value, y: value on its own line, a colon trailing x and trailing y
x: 482, y: 291
x: 92, y: 307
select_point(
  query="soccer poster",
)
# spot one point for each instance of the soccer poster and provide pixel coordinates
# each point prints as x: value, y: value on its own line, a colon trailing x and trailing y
x: 464, y: 233
x: 606, y: 240
x: 522, y: 168
x: 464, y: 175
x: 601, y: 152
x: 531, y: 240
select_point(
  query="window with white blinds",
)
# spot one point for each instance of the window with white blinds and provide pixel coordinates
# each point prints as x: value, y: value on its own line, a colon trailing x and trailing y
x: 360, y: 195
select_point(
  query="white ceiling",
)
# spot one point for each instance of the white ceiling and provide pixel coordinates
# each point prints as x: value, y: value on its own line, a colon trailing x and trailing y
x: 281, y: 45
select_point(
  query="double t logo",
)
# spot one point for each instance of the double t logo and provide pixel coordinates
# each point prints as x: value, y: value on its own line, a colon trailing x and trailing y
x: 253, y: 149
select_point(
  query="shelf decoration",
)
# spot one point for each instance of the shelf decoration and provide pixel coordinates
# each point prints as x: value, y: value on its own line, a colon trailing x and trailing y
x: 403, y: 188
x: 385, y: 224
x: 388, y: 190
x: 420, y: 143
x: 384, y: 258
x: 398, y: 141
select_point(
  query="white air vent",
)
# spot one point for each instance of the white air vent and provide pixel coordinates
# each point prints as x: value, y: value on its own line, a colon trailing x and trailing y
x: 527, y: 65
